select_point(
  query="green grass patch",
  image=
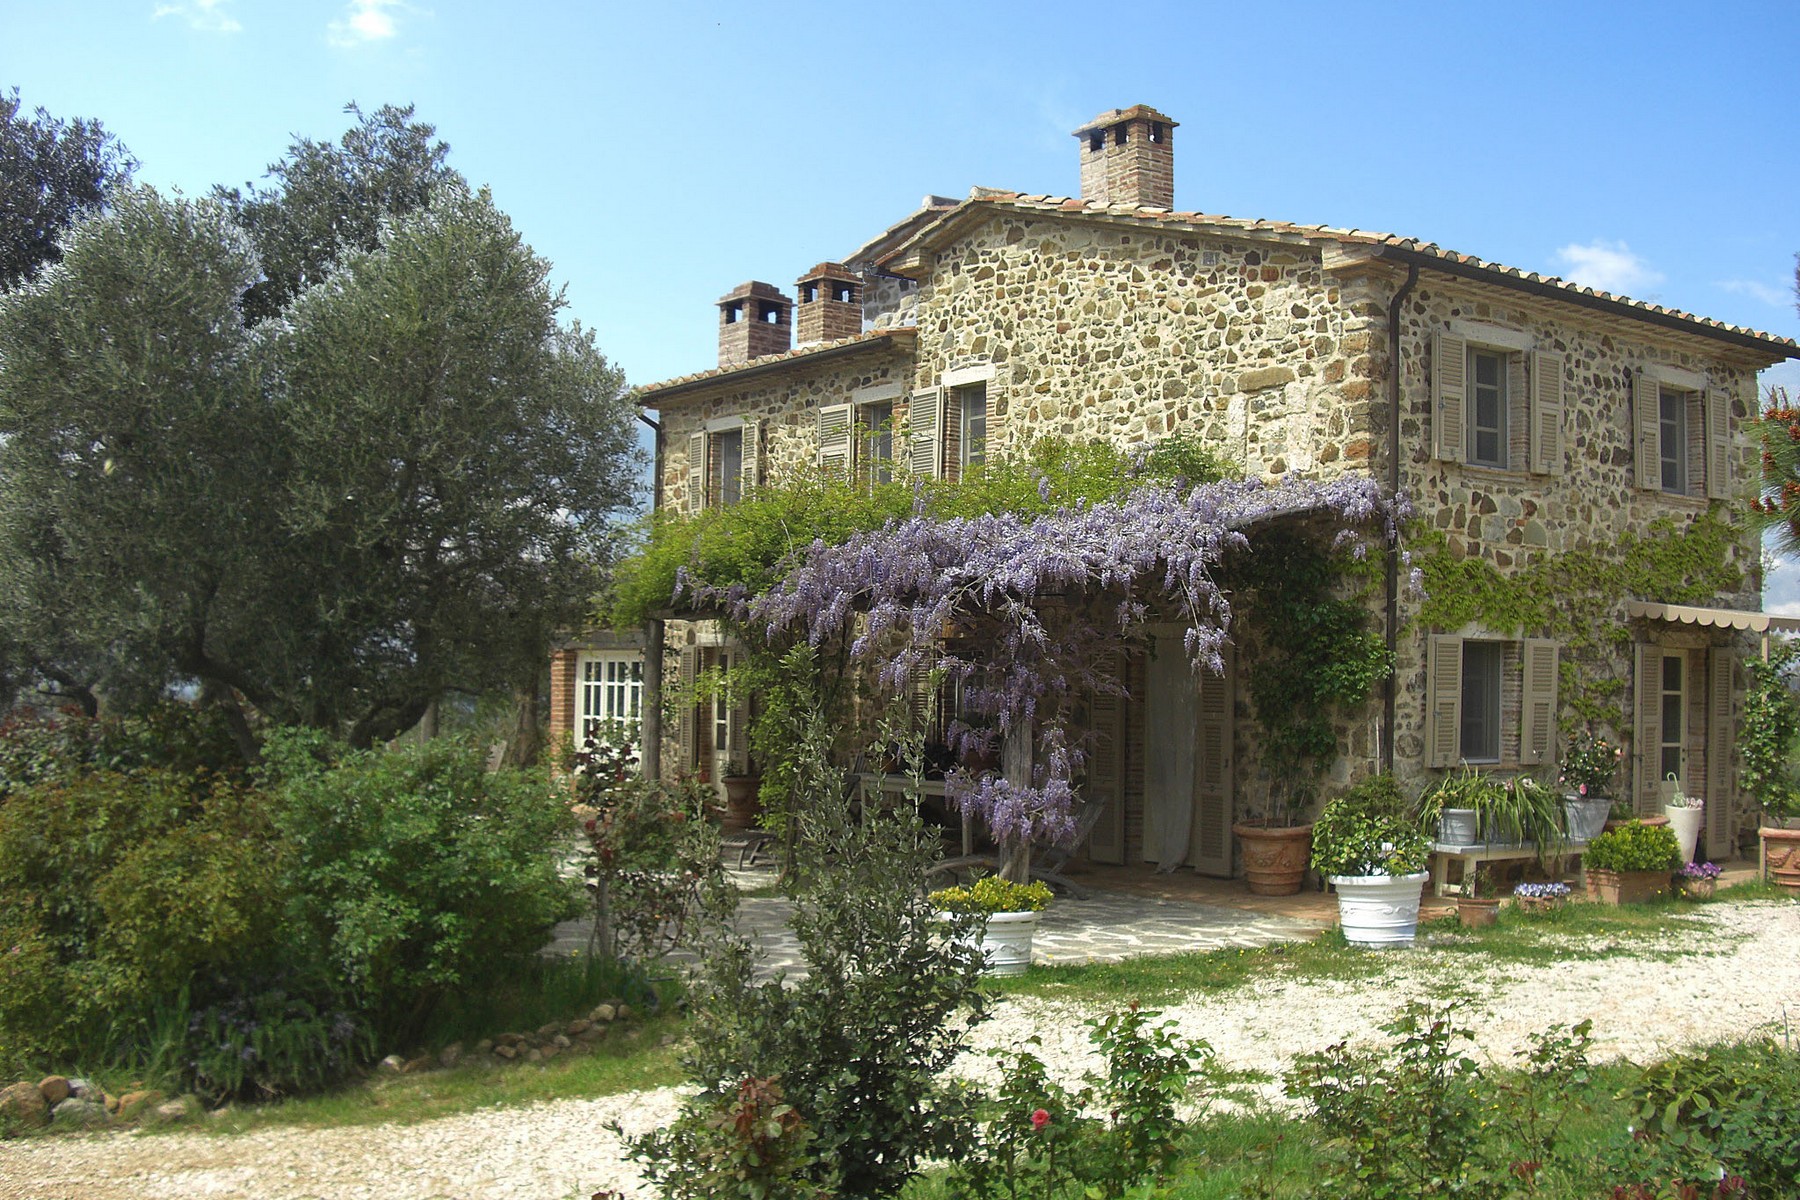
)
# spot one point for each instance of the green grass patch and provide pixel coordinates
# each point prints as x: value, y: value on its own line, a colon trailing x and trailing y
x: 631, y: 1058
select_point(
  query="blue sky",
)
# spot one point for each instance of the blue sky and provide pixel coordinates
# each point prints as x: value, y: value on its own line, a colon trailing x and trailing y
x: 659, y: 154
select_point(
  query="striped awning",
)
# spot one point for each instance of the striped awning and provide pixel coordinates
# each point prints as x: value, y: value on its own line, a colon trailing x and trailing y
x: 1714, y: 618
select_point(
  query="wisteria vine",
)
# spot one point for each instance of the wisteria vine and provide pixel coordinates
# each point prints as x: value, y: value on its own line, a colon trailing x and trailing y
x: 1044, y: 601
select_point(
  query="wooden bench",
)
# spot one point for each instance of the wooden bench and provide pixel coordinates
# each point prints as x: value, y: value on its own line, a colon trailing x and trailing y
x: 1472, y: 856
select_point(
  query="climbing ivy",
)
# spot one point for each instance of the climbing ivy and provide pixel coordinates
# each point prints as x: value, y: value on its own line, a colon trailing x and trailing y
x: 1572, y: 597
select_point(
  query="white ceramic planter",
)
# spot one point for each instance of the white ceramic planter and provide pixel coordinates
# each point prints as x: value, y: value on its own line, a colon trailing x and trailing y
x: 1379, y: 910
x: 1686, y: 824
x: 1006, y: 942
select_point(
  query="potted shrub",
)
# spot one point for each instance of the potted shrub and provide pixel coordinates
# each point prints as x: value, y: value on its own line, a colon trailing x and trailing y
x: 1372, y: 850
x: 1590, y: 764
x: 1008, y: 913
x: 1685, y: 813
x: 1632, y: 864
x: 1765, y: 746
x: 1698, y: 881
x: 1275, y: 847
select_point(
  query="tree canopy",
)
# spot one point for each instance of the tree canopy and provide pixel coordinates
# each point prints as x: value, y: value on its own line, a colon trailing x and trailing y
x: 396, y: 489
x: 51, y: 173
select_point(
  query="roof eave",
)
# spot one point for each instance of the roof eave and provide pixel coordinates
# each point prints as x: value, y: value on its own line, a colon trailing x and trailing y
x: 1774, y: 349
x: 900, y: 337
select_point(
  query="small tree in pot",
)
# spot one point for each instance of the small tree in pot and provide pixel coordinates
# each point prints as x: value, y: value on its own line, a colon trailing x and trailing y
x: 1369, y: 845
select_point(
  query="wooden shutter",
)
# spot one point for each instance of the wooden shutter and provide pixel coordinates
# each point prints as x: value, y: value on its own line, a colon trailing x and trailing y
x: 1209, y: 844
x: 752, y: 459
x: 1646, y: 417
x: 697, y: 475
x: 1106, y: 774
x: 925, y: 426
x: 837, y: 448
x: 1546, y: 413
x: 1721, y: 796
x: 1519, y: 429
x: 1443, y: 700
x: 1718, y: 445
x: 1537, y: 736
x: 687, y: 733
x: 1647, y: 732
x: 1449, y: 396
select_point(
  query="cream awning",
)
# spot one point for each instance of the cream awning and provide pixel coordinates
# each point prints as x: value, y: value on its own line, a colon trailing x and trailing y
x: 1716, y: 618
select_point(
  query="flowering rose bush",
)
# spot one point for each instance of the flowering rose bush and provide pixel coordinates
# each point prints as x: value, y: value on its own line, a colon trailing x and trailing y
x: 1590, y: 764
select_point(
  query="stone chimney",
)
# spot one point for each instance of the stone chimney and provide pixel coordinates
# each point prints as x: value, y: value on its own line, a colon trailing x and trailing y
x: 830, y: 305
x: 1128, y: 157
x: 755, y: 320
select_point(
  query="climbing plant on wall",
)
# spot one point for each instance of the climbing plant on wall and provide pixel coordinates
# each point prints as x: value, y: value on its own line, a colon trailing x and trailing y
x: 1573, y: 596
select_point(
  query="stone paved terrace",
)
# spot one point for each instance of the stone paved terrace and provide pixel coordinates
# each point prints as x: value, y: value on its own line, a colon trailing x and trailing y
x: 1129, y: 911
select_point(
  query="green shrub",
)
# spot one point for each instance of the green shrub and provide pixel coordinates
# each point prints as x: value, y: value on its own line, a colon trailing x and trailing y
x: 860, y: 1045
x: 1635, y: 847
x: 992, y: 894
x: 120, y: 888
x: 1726, y: 1111
x: 269, y: 1041
x: 415, y: 871
x: 1369, y: 831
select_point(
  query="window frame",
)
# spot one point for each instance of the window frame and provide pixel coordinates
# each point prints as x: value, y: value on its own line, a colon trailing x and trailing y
x: 1492, y: 695
x: 971, y: 424
x: 1502, y: 397
x: 609, y: 690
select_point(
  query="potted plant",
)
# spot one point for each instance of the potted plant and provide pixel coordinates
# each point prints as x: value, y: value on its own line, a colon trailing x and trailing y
x: 1632, y: 864
x: 1524, y: 812
x: 1765, y: 747
x: 1457, y: 803
x: 743, y: 795
x: 1274, y: 846
x: 1541, y: 897
x: 1478, y: 906
x: 1372, y: 850
x: 1685, y: 813
x: 1698, y: 881
x: 1008, y: 915
x: 1590, y: 764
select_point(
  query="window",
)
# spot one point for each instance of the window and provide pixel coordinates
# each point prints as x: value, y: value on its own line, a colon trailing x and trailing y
x: 1672, y: 440
x: 972, y: 411
x: 1496, y: 401
x: 610, y: 694
x: 1479, y: 738
x: 1489, y: 398
x: 1683, y: 434
x: 1669, y: 749
x: 722, y: 464
x: 1490, y: 700
x: 728, y: 453
x: 876, y: 426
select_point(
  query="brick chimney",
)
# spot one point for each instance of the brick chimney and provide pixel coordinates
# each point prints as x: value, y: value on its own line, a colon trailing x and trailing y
x: 755, y: 320
x: 830, y: 305
x: 1128, y: 157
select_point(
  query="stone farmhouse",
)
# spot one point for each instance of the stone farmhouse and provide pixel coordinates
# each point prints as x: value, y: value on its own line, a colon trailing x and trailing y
x: 1526, y: 417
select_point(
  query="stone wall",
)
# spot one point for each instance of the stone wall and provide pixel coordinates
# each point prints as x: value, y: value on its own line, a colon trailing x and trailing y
x: 786, y: 403
x: 1130, y: 333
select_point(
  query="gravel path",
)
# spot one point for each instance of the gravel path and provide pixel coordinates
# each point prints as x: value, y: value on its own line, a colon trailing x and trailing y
x: 1725, y: 982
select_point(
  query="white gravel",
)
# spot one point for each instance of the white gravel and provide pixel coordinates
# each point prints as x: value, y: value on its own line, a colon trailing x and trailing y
x: 1740, y: 976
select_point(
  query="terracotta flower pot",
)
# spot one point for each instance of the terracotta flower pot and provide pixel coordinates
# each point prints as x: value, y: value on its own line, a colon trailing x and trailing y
x: 1275, y: 857
x: 743, y: 805
x: 1781, y: 850
x: 1626, y: 887
x: 1476, y: 912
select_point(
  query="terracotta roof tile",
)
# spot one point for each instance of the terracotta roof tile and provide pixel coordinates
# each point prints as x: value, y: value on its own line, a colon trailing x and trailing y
x: 898, y: 332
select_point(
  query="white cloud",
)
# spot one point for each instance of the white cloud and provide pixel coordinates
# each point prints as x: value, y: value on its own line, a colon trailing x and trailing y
x: 1776, y: 296
x: 1608, y: 266
x: 208, y: 16
x: 364, y: 21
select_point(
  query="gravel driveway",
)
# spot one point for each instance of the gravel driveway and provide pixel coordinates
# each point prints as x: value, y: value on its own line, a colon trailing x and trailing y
x: 1739, y: 975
